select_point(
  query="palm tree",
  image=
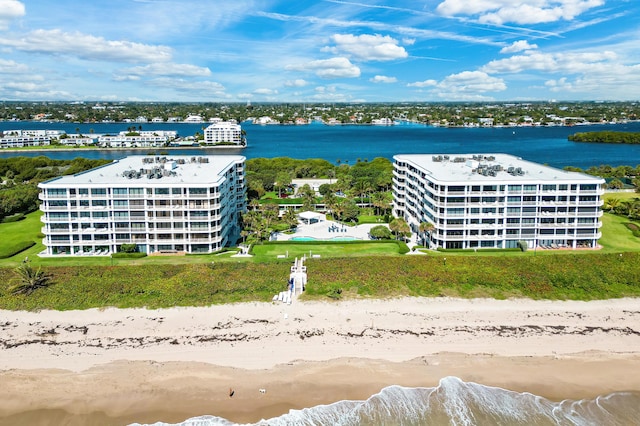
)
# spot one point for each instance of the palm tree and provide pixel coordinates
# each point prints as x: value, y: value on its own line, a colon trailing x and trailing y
x: 612, y: 204
x: 381, y: 201
x: 330, y: 200
x: 308, y: 196
x: 30, y: 280
x: 426, y: 227
x: 290, y: 218
x: 283, y: 180
x: 362, y: 188
x: 400, y: 227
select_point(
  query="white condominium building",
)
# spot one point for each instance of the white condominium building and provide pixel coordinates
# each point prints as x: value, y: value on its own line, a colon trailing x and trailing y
x: 22, y: 141
x: 496, y: 201
x: 161, y: 204
x: 224, y: 132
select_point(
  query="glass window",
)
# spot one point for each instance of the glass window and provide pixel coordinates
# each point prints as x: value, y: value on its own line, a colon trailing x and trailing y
x: 589, y: 187
x: 57, y: 192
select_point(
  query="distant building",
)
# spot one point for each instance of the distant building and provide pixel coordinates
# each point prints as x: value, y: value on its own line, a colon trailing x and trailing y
x: 24, y: 138
x: 161, y: 204
x: 224, y: 132
x: 194, y: 118
x: 496, y: 201
x: 135, y: 141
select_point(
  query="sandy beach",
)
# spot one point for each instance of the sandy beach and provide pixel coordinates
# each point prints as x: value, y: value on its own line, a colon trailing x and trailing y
x: 134, y: 365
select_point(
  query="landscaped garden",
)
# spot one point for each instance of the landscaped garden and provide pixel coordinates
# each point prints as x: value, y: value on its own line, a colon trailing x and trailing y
x: 336, y: 269
x: 343, y: 269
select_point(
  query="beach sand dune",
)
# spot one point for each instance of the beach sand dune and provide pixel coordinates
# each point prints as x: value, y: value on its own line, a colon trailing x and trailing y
x: 115, y: 366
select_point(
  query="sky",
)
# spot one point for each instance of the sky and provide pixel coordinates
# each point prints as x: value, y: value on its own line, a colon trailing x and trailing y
x: 319, y: 51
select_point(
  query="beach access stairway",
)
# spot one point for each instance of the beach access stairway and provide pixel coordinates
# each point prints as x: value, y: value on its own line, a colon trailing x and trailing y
x: 296, y: 283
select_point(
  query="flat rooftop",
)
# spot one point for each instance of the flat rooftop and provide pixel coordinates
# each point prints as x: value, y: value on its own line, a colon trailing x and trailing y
x: 171, y: 170
x: 487, y: 168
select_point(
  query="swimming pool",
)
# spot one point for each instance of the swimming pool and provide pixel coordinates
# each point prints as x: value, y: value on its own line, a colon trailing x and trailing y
x: 323, y: 239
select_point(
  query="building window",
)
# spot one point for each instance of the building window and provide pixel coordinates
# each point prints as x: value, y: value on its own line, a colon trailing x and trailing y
x: 56, y: 192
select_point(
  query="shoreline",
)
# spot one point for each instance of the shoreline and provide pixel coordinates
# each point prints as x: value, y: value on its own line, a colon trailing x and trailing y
x: 135, y: 365
x: 127, y: 392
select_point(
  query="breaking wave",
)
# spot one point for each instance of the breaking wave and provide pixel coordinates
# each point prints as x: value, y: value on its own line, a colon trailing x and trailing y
x: 454, y: 402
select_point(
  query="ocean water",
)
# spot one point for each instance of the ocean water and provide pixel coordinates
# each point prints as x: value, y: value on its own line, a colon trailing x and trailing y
x: 454, y: 402
x: 348, y: 144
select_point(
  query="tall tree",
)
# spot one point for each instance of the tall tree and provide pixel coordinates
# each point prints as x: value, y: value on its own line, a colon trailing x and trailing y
x: 426, y: 228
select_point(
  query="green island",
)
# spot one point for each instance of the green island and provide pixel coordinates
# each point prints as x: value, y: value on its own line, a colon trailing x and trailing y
x: 346, y: 269
x: 606, y: 136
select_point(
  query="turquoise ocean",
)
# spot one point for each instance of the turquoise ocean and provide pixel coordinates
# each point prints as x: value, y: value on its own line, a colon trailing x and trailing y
x: 452, y: 402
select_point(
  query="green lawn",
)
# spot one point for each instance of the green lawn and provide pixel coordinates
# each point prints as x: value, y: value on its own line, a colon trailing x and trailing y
x: 616, y: 237
x: 25, y: 230
x: 621, y: 195
x: 270, y: 252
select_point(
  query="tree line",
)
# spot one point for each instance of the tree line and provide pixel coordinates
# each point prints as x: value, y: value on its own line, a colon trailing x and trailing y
x: 19, y: 178
x: 606, y: 136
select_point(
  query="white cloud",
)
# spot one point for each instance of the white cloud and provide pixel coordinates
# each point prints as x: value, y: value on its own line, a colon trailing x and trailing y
x: 296, y: 83
x: 10, y: 10
x: 12, y: 67
x: 551, y: 62
x: 559, y: 85
x: 265, y: 91
x: 85, y: 46
x: 472, y: 81
x: 329, y: 68
x: 467, y: 85
x: 425, y: 83
x: 518, y: 46
x: 517, y: 11
x: 126, y: 77
x: 163, y: 69
x: 204, y: 88
x: 383, y: 79
x: 367, y: 47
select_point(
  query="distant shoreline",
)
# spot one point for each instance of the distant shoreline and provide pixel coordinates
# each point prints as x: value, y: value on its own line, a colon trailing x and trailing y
x: 40, y: 149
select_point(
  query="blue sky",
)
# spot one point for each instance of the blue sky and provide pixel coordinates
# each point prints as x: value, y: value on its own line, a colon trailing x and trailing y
x: 319, y: 51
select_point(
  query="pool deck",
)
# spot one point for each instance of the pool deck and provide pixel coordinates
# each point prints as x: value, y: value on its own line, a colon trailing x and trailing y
x: 322, y: 231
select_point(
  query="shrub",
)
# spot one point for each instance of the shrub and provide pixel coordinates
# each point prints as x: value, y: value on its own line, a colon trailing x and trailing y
x: 380, y: 232
x: 129, y: 248
x: 128, y: 255
x: 403, y: 248
x: 13, y: 218
x: 13, y: 249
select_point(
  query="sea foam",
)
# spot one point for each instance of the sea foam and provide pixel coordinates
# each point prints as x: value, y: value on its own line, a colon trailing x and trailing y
x: 455, y: 402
